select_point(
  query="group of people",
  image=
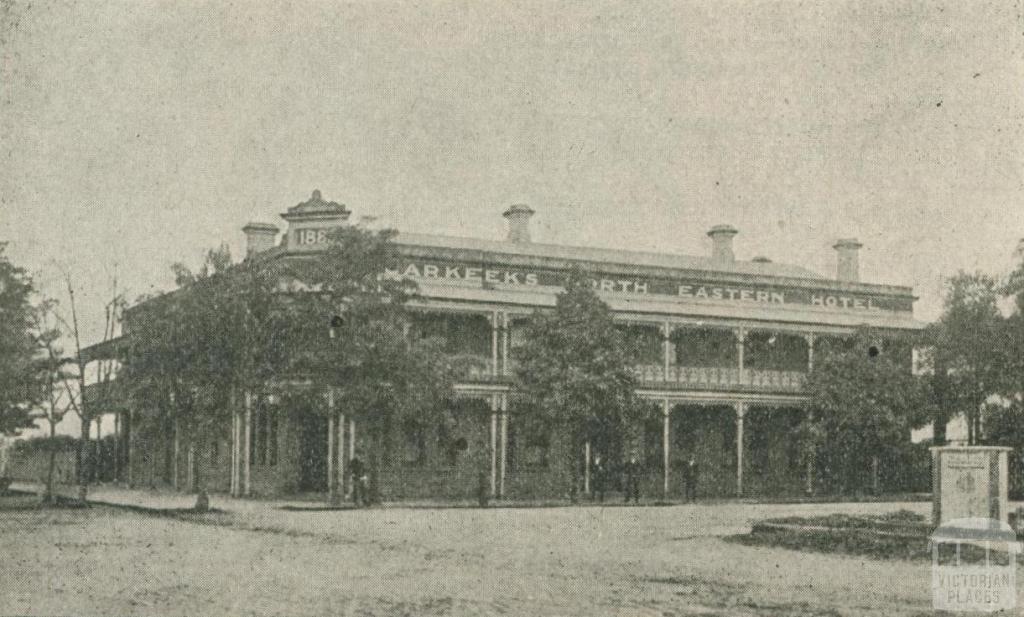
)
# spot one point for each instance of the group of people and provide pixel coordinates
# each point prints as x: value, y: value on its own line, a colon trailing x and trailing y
x: 600, y: 475
x: 632, y: 473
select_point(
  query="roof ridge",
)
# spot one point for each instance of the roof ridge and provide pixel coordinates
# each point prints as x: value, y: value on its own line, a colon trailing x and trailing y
x: 707, y: 262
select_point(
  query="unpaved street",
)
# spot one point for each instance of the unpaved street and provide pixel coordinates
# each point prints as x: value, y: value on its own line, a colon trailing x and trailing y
x: 548, y: 561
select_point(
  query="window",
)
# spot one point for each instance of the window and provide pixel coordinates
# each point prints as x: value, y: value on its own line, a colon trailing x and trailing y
x: 643, y: 344
x: 252, y: 439
x: 455, y: 448
x: 272, y: 440
x: 261, y: 437
x: 533, y: 443
x: 414, y: 452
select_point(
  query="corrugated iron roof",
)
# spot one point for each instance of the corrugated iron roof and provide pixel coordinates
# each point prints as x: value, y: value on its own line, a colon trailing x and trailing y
x: 617, y: 256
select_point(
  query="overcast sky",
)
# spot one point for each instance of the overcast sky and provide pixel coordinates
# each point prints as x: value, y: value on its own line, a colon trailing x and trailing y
x: 142, y: 133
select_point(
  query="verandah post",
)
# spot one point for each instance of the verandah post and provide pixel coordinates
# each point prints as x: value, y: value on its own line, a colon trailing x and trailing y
x: 332, y: 448
x: 236, y: 428
x: 233, y: 477
x: 128, y: 445
x: 665, y: 446
x: 117, y: 447
x: 741, y: 409
x: 586, y: 467
x: 247, y: 446
x: 342, y: 481
x: 494, y: 444
x: 177, y: 449
x: 504, y: 446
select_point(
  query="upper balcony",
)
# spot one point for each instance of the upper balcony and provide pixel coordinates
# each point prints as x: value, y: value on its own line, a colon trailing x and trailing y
x: 720, y: 379
x: 755, y: 359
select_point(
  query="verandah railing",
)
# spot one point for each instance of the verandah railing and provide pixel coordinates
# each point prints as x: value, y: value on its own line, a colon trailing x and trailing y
x: 722, y: 377
x: 680, y: 376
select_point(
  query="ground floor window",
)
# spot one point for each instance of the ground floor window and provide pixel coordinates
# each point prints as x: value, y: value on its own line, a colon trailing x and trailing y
x: 415, y: 447
x: 263, y: 440
x: 529, y: 442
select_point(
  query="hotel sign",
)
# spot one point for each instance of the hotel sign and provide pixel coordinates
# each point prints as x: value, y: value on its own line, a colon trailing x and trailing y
x: 696, y: 289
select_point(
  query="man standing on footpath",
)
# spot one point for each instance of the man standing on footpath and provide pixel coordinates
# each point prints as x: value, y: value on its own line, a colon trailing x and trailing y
x: 358, y: 471
x: 690, y: 478
x: 633, y: 479
x: 598, y: 473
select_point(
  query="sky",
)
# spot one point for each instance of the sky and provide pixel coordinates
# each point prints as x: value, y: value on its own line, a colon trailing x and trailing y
x: 137, y: 134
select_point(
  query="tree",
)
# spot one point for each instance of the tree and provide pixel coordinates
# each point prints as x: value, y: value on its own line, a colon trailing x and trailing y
x: 52, y: 376
x: 574, y: 371
x: 1013, y: 385
x: 79, y: 397
x: 382, y: 374
x: 1014, y: 285
x: 331, y: 320
x: 970, y: 345
x: 865, y: 404
x: 936, y: 382
x: 192, y: 351
x: 18, y: 391
x: 1004, y: 421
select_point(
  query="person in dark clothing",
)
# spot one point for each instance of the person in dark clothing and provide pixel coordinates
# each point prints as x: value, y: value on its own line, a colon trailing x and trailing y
x: 633, y: 479
x: 359, y: 482
x: 690, y: 478
x: 598, y: 477
x: 483, y: 489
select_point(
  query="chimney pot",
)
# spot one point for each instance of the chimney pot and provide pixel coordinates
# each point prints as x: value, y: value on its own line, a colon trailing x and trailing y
x: 721, y: 244
x: 848, y: 260
x: 259, y: 237
x: 518, y: 216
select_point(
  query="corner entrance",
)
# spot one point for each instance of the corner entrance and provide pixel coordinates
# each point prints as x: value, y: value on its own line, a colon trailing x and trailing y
x: 312, y: 429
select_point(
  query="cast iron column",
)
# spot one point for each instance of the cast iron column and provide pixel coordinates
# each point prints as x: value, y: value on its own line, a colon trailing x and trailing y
x: 665, y: 412
x: 741, y: 409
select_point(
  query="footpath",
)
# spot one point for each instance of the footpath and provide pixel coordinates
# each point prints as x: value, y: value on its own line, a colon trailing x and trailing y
x: 166, y: 500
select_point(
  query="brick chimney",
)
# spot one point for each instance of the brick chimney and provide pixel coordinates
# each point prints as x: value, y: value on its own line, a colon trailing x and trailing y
x: 848, y: 260
x: 518, y: 217
x: 721, y: 244
x: 259, y: 237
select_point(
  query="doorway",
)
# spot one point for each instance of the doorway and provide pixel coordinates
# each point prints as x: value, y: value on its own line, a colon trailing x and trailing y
x: 312, y: 453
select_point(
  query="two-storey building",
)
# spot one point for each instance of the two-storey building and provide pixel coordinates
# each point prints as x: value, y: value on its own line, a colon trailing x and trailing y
x: 722, y: 348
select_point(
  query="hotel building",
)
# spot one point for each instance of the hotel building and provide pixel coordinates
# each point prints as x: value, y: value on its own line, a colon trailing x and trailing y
x: 722, y: 348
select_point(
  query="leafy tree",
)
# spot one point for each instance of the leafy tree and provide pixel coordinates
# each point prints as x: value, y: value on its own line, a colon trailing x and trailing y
x: 18, y: 391
x: 574, y: 372
x: 937, y: 387
x: 1013, y: 385
x: 192, y: 352
x: 865, y: 404
x: 330, y: 319
x: 1004, y: 421
x: 1014, y: 286
x: 970, y: 345
x: 383, y: 376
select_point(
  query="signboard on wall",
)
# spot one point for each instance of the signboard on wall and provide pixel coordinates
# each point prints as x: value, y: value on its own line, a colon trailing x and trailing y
x: 697, y: 289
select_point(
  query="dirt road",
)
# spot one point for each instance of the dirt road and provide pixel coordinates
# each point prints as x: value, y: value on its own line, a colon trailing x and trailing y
x: 553, y: 561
